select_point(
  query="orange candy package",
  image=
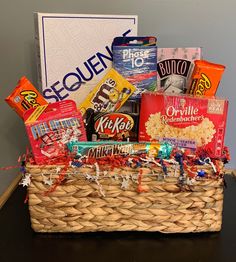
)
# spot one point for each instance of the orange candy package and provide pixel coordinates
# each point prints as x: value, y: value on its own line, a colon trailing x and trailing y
x: 24, y: 97
x: 205, y: 78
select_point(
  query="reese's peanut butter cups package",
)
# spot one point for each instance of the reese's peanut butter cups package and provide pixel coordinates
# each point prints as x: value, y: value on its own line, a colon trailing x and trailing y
x: 24, y: 97
x: 205, y: 78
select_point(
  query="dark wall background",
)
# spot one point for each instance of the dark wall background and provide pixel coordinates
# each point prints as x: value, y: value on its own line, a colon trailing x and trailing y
x: 206, y: 23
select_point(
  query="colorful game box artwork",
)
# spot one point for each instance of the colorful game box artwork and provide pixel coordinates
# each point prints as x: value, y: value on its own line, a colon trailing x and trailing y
x: 51, y: 127
x: 135, y: 58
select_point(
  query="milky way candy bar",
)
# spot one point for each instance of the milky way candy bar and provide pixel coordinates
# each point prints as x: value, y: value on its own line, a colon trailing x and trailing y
x: 109, y: 148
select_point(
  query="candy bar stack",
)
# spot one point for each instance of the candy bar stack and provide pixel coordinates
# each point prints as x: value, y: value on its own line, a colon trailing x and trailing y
x: 149, y: 134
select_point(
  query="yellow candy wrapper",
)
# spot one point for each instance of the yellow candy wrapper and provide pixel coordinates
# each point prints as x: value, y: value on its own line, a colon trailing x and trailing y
x: 109, y: 95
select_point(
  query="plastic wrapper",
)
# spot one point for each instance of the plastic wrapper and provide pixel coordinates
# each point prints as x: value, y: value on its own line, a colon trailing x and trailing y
x: 109, y: 95
x: 24, y: 97
x: 205, y: 78
x: 112, y: 126
x: 103, y: 149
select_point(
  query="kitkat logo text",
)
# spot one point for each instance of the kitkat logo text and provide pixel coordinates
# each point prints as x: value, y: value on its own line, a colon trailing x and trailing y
x: 112, y: 124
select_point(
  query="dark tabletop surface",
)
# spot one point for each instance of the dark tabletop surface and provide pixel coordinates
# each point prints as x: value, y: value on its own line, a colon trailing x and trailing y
x: 19, y: 243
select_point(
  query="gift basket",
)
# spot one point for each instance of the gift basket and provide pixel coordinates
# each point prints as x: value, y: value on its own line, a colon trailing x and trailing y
x: 143, y: 151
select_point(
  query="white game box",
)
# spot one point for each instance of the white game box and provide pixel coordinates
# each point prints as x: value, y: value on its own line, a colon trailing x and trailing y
x: 74, y: 51
x: 174, y: 68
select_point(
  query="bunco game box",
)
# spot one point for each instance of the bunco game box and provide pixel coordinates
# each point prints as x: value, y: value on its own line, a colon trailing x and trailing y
x: 174, y: 68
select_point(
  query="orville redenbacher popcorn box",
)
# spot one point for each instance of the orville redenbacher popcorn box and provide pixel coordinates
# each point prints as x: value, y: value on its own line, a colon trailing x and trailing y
x: 74, y: 51
x: 185, y: 121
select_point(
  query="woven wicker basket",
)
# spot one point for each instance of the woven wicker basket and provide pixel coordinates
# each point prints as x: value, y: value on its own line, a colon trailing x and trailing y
x: 84, y: 202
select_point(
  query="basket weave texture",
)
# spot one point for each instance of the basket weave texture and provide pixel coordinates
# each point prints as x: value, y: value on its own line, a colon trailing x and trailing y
x: 84, y: 202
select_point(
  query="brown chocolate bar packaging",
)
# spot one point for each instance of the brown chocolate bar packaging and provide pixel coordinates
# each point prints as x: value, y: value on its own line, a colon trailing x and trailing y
x: 119, y: 126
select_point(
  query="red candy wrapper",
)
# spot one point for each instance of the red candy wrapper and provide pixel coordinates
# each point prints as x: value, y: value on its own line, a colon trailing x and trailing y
x: 51, y: 127
x: 185, y: 121
x: 24, y: 97
x: 205, y: 78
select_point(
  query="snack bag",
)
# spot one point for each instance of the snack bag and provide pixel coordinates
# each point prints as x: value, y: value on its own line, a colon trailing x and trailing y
x: 185, y: 121
x: 24, y: 97
x: 51, y: 127
x: 109, y: 95
x: 205, y: 78
x: 135, y: 58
